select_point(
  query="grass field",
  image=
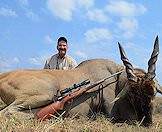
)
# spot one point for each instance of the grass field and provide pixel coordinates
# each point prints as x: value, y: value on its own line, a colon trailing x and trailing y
x: 101, y: 124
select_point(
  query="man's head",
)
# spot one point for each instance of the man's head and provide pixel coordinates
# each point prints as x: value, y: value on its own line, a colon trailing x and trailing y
x: 62, y: 46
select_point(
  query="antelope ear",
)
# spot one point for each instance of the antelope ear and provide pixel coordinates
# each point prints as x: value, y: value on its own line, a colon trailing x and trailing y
x: 129, y: 68
x: 152, y: 62
x: 121, y: 94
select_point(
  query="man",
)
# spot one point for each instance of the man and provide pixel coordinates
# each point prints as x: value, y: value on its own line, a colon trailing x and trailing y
x: 61, y: 61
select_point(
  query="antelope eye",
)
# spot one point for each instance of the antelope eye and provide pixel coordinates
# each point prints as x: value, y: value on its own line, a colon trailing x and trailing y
x: 140, y: 79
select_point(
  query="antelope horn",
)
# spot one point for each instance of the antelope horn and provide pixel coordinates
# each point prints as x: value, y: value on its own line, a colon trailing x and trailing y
x: 121, y: 94
x: 129, y: 68
x: 151, y: 63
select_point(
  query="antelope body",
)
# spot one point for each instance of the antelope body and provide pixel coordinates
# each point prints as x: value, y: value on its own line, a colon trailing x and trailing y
x: 133, y: 90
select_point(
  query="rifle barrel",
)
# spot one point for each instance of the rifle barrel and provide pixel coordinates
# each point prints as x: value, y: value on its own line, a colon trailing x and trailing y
x: 103, y: 80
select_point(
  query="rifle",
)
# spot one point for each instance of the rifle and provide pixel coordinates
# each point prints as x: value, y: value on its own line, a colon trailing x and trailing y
x: 75, y: 86
x: 50, y: 110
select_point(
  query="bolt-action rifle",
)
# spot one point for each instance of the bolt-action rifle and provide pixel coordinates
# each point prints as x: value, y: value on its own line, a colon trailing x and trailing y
x: 50, y: 110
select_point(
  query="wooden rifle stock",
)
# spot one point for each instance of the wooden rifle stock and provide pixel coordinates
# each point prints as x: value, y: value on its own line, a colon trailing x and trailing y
x: 50, y: 110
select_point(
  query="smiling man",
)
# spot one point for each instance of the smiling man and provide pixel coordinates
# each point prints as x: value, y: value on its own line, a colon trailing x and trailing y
x: 61, y: 61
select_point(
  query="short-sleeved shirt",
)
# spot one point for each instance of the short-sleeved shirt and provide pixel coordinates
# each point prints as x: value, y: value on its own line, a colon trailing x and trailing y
x: 60, y: 63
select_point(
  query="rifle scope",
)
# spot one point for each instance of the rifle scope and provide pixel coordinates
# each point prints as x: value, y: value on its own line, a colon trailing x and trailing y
x: 75, y: 86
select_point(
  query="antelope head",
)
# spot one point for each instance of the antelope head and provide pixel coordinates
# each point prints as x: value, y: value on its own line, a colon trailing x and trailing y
x: 141, y: 86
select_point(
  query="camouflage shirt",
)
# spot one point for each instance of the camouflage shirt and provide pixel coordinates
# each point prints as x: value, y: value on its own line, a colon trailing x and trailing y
x: 60, y: 64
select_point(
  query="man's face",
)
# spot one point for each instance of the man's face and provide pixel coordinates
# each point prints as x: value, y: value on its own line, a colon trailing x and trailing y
x: 62, y: 48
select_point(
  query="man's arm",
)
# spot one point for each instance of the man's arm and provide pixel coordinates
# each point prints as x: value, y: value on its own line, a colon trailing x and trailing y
x: 74, y: 63
x: 71, y: 62
x: 46, y: 66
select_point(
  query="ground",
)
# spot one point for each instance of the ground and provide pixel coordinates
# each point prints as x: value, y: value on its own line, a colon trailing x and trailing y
x: 16, y: 124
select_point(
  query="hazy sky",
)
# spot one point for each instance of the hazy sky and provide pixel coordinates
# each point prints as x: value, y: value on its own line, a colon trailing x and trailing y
x: 29, y: 30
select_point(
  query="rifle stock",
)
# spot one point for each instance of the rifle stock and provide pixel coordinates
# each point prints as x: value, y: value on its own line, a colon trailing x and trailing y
x: 48, y: 111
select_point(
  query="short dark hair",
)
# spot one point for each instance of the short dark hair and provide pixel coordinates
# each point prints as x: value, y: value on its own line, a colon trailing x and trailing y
x: 62, y: 39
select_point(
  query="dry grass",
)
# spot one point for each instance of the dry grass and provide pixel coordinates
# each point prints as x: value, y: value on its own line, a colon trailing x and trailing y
x: 17, y: 124
x: 158, y: 105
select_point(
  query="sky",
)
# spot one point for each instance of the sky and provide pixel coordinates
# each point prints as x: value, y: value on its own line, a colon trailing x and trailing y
x: 29, y: 30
